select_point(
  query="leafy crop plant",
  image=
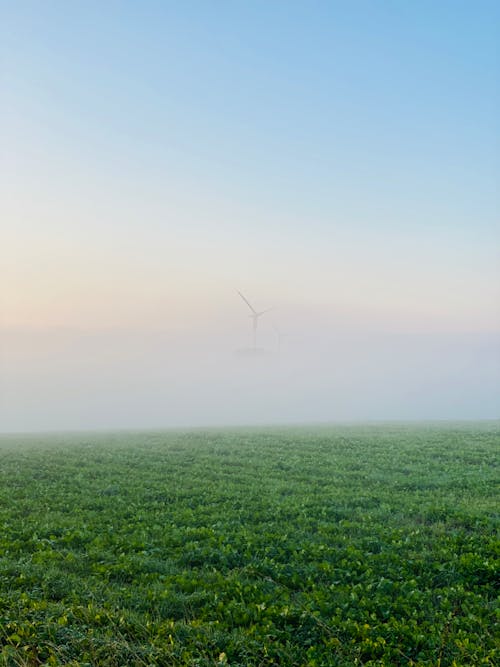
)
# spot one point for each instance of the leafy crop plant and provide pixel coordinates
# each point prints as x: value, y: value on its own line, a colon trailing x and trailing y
x: 307, y: 547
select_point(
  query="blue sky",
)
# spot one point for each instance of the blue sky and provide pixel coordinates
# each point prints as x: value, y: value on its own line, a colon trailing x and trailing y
x: 336, y: 160
x: 290, y: 136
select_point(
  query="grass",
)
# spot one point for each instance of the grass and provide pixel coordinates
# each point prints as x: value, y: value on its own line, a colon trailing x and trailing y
x: 362, y: 545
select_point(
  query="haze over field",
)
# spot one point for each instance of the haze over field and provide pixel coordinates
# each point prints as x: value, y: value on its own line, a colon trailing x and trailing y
x: 337, y: 162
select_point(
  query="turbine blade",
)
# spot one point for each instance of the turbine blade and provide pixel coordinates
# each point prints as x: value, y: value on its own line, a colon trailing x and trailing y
x: 247, y: 302
x: 263, y: 311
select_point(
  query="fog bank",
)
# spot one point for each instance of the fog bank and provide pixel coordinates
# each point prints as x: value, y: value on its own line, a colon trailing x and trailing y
x: 68, y: 379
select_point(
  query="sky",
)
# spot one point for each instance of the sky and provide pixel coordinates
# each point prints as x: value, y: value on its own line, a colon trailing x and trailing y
x: 336, y: 161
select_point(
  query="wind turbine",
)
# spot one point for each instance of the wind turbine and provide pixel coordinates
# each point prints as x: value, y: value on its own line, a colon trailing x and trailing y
x: 255, y: 317
x: 280, y: 336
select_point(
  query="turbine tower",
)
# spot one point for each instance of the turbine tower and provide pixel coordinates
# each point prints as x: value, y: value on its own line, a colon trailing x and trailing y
x: 280, y: 336
x: 255, y: 318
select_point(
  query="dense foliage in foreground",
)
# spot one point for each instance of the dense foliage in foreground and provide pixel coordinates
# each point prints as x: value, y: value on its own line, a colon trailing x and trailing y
x: 332, y: 546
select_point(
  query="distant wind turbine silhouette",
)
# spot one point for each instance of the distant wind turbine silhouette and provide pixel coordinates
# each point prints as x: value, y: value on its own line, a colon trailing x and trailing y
x: 280, y: 336
x: 255, y: 317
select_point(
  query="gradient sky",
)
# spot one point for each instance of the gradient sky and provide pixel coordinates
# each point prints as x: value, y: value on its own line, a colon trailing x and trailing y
x: 337, y: 160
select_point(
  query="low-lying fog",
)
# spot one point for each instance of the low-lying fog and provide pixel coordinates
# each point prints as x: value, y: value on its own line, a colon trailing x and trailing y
x: 71, y: 379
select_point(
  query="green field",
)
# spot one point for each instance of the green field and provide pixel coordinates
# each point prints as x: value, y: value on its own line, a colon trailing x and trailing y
x: 362, y: 545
